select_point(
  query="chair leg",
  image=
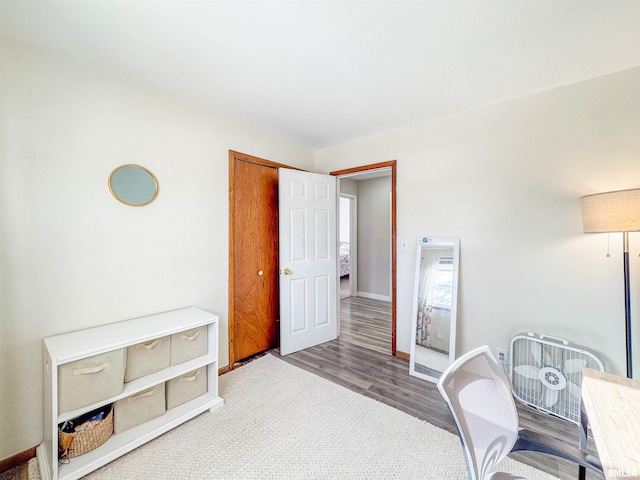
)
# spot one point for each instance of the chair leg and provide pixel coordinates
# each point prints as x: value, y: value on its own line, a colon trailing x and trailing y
x: 583, y: 427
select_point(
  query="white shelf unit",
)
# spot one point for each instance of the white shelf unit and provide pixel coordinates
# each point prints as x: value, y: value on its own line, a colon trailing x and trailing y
x: 69, y: 347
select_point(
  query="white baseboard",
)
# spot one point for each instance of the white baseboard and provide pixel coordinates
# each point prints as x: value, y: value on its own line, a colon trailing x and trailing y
x: 374, y: 296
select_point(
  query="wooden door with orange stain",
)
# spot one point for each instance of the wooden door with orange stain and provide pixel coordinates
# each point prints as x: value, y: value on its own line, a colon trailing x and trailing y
x: 253, y: 268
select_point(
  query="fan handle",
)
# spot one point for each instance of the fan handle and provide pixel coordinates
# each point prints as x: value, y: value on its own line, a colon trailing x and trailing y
x: 558, y: 339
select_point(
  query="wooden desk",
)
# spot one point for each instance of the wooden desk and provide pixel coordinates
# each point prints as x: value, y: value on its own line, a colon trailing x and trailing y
x: 612, y: 405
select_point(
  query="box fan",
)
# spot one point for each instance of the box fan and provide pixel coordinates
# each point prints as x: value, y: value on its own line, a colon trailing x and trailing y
x: 546, y: 373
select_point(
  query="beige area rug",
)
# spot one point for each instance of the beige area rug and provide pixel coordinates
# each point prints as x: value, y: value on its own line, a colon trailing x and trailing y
x: 28, y: 471
x: 281, y: 422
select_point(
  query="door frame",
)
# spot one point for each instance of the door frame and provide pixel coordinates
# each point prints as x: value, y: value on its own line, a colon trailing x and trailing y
x: 353, y: 232
x: 243, y: 157
x: 392, y: 164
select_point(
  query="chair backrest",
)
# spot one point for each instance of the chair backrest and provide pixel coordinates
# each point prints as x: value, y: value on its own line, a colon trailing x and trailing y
x: 479, y: 396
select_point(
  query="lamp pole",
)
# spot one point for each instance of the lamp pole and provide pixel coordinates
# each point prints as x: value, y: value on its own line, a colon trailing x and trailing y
x: 627, y: 304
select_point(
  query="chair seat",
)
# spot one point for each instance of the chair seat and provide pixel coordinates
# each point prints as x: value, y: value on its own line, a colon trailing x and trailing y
x: 504, y: 476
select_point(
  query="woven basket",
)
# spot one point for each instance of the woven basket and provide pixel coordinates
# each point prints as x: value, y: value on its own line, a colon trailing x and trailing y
x: 83, y: 442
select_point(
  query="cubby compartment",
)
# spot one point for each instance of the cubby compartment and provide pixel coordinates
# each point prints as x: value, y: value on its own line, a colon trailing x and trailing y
x: 138, y: 408
x: 148, y: 357
x: 186, y: 387
x: 90, y: 380
x: 188, y: 345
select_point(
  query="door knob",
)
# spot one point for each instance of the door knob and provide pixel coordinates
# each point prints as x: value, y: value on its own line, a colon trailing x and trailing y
x: 260, y: 272
x: 286, y: 271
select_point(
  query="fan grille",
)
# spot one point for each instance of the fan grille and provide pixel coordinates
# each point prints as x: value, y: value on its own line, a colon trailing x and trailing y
x: 552, y: 381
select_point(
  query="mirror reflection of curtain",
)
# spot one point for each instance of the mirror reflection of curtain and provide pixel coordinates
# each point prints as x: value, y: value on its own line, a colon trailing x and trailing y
x: 428, y: 273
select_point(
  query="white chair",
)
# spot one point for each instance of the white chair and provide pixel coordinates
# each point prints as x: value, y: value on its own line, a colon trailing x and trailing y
x: 478, y: 393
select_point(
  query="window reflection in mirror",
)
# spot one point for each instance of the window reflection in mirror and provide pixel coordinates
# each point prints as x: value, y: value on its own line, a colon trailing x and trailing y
x: 442, y: 290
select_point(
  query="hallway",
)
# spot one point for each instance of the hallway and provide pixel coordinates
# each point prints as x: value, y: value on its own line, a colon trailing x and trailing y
x: 366, y: 323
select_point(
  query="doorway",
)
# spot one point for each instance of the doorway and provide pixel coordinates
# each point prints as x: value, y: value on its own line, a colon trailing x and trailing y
x: 363, y: 173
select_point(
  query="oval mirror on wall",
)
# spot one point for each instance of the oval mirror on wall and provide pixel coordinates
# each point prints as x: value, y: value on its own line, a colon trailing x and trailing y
x: 133, y: 185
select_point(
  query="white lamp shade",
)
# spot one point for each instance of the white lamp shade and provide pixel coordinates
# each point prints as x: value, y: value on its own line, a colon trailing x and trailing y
x: 612, y: 211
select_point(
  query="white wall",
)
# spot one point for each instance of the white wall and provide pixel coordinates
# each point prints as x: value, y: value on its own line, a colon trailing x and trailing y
x: 71, y: 256
x: 507, y: 179
x: 374, y: 238
x: 349, y: 186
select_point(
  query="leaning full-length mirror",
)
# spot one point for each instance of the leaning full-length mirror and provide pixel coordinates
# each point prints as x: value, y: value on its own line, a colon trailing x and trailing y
x: 433, y: 337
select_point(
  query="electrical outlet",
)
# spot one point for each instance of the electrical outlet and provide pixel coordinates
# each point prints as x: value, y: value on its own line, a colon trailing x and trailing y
x: 501, y: 355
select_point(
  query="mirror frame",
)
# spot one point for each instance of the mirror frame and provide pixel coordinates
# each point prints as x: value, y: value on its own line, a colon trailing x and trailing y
x: 123, y: 200
x: 454, y: 242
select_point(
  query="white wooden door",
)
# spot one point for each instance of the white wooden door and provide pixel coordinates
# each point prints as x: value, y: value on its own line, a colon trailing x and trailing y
x: 308, y: 260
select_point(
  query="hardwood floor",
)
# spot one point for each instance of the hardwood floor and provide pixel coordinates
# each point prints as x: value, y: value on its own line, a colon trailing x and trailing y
x: 366, y: 323
x: 358, y: 361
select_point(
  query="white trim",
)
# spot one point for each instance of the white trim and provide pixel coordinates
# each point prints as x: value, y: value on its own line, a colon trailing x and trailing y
x: 374, y: 296
x: 353, y: 242
x: 369, y: 174
x: 41, y: 454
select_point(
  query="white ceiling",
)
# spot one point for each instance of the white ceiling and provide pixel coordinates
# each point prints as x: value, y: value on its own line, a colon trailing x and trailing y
x: 326, y: 72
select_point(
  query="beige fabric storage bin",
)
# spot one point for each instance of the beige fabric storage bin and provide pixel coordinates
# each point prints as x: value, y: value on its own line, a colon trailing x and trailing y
x: 139, y: 408
x: 90, y: 380
x: 186, y: 387
x: 148, y: 357
x: 188, y: 345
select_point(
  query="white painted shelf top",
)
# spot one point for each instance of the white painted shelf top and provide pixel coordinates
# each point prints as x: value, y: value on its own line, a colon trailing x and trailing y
x: 68, y: 347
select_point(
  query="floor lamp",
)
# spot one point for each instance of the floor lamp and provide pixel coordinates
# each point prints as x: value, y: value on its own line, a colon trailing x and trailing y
x: 616, y: 212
